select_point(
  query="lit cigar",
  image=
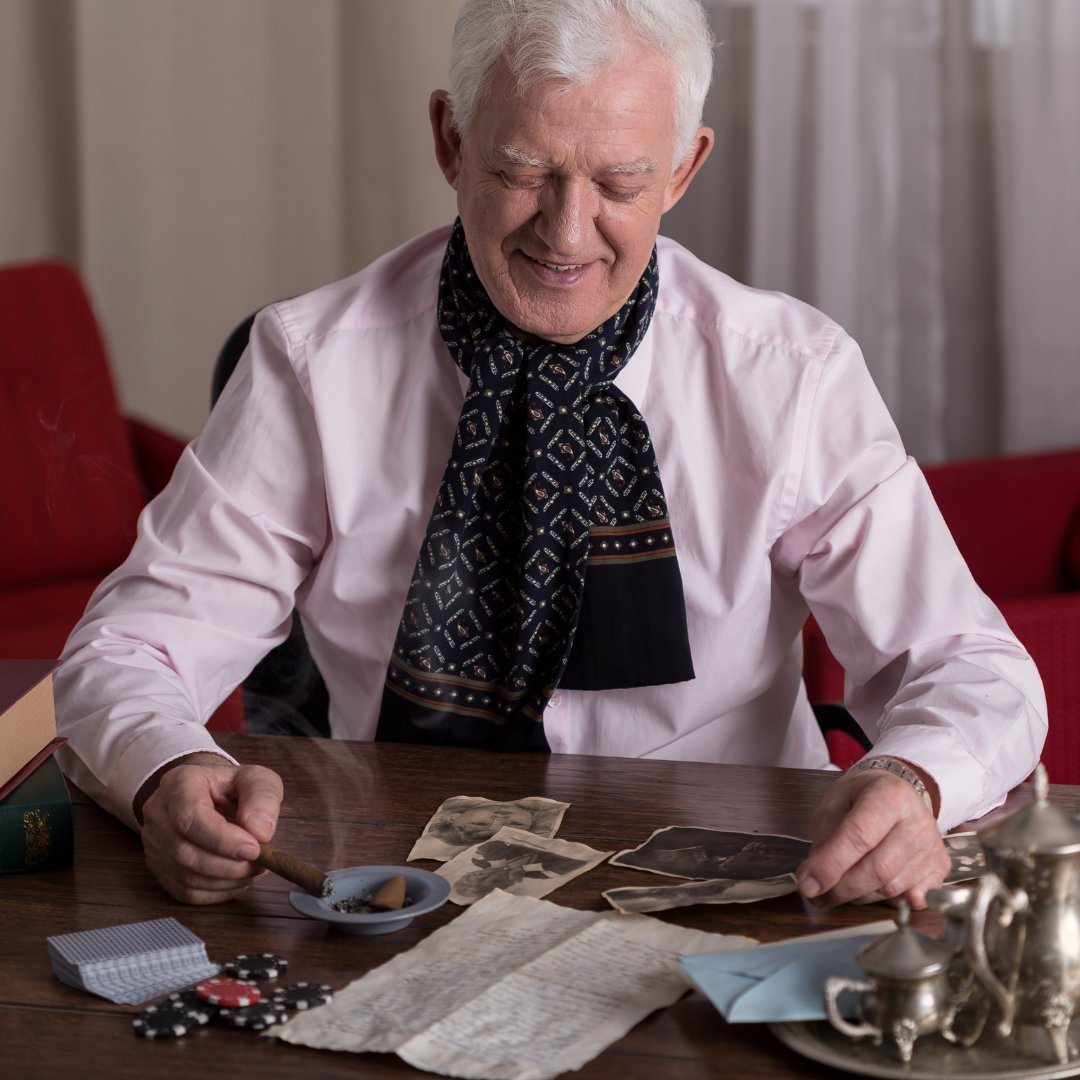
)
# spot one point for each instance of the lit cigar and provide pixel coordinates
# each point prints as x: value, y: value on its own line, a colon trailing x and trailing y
x: 308, y: 877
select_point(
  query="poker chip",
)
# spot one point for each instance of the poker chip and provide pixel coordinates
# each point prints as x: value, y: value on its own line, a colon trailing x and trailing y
x: 256, y: 966
x: 163, y: 1022
x: 255, y: 1017
x: 194, y: 1006
x: 303, y: 995
x: 229, y: 992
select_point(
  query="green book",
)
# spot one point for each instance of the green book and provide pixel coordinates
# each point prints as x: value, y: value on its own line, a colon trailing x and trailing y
x: 35, y: 823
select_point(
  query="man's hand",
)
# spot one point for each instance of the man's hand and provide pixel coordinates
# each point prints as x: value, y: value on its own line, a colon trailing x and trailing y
x: 202, y: 825
x: 874, y: 839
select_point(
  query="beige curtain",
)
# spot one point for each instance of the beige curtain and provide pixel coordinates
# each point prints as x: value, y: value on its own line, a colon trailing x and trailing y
x: 200, y: 158
x: 910, y: 166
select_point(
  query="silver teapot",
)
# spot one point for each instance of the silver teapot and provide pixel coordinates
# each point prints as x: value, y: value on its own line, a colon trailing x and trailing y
x: 973, y: 1005
x: 907, y: 993
x: 1023, y: 925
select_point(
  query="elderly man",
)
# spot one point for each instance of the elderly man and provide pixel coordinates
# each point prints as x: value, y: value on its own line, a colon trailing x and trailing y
x: 542, y: 481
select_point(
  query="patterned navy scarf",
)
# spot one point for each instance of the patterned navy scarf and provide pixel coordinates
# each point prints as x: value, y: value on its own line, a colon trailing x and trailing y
x: 548, y: 560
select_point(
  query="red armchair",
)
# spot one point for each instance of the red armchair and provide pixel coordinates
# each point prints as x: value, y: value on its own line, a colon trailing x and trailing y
x: 74, y: 473
x: 1016, y: 521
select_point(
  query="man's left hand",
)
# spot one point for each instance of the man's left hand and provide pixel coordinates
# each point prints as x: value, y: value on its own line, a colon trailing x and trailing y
x: 874, y: 839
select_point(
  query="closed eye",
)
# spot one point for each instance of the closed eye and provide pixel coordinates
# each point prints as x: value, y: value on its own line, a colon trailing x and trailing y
x: 620, y: 194
x: 522, y: 180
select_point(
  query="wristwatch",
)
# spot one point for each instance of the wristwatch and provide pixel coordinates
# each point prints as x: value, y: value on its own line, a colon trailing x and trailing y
x: 897, y: 768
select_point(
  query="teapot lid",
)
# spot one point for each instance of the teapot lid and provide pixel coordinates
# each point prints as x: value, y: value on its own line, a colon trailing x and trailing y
x: 1036, y: 829
x: 905, y: 953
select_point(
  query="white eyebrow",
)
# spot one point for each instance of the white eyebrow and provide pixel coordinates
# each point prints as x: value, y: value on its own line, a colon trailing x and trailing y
x: 633, y: 168
x: 519, y: 157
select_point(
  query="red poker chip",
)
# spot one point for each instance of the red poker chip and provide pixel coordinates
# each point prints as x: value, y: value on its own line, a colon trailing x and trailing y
x: 232, y: 993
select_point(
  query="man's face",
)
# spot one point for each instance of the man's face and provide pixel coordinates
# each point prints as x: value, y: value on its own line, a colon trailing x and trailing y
x: 560, y: 192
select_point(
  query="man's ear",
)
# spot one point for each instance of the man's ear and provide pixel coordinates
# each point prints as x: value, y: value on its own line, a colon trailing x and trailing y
x: 447, y: 139
x: 687, y: 170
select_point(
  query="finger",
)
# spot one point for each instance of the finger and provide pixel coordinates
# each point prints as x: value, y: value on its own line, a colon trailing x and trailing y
x: 910, y: 860
x: 201, y: 892
x: 192, y: 880
x: 914, y: 894
x: 853, y: 820
x: 258, y: 792
x: 198, y: 819
x: 196, y: 879
x: 187, y: 804
x: 189, y: 860
x: 187, y: 842
x: 859, y: 833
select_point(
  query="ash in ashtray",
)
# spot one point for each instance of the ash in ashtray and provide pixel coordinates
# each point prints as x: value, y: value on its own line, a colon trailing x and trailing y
x: 358, y: 905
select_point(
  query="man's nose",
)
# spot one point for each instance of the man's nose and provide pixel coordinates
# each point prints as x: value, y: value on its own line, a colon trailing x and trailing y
x: 567, y: 213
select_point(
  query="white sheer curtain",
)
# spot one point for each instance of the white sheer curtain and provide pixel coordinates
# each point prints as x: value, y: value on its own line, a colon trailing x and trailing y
x: 910, y: 166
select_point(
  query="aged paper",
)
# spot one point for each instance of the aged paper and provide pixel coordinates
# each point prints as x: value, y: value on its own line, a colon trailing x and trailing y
x: 515, y: 988
x: 466, y: 820
x: 718, y: 891
x: 517, y: 862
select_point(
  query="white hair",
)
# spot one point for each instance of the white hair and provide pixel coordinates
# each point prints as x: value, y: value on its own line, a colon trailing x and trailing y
x: 572, y: 41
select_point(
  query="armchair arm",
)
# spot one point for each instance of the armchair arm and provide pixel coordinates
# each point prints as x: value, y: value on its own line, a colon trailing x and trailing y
x: 156, y: 453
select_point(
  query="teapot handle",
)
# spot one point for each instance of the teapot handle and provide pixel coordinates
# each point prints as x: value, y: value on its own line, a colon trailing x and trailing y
x: 833, y: 987
x: 1014, y: 901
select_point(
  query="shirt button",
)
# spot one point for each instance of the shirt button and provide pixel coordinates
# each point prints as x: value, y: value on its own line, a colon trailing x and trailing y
x: 554, y: 700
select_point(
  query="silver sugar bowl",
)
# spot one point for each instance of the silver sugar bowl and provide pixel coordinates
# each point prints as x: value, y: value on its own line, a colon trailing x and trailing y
x: 907, y: 992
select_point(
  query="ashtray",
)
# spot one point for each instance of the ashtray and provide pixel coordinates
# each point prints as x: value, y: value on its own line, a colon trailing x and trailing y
x: 424, y: 891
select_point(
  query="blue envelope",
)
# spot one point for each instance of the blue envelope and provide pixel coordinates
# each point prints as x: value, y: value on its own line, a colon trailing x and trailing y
x: 783, y: 980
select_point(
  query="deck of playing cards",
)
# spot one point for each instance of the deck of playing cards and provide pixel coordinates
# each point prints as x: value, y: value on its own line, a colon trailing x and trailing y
x: 132, y: 963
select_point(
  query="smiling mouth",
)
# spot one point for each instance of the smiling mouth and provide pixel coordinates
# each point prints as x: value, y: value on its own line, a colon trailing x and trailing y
x: 562, y: 268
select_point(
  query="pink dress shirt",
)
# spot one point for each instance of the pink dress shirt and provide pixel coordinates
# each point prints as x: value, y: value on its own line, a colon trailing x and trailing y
x: 788, y: 488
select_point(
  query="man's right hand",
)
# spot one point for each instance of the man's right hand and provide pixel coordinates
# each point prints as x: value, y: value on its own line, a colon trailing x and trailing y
x: 203, y: 819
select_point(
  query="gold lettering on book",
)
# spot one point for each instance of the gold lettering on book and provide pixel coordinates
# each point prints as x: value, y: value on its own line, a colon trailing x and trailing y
x: 38, y: 837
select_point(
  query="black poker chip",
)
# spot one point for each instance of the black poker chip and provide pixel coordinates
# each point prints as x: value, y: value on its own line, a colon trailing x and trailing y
x: 163, y: 1022
x: 194, y: 1006
x: 256, y: 966
x: 303, y: 995
x: 257, y: 1017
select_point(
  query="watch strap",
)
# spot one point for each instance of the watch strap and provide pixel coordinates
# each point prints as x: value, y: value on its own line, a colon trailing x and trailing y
x: 897, y: 768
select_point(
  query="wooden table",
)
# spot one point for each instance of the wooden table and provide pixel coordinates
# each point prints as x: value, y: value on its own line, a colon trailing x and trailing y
x: 347, y: 804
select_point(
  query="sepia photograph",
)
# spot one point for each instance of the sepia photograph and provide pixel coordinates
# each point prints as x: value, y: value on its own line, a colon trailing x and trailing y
x: 966, y: 858
x: 517, y: 862
x: 720, y: 891
x: 680, y: 851
x: 466, y: 820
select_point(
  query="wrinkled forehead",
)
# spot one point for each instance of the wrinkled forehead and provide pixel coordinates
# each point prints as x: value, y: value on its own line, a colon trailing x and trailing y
x: 589, y: 111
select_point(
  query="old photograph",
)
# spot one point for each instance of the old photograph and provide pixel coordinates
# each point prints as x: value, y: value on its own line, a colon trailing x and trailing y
x: 517, y: 862
x: 703, y: 854
x: 719, y: 891
x: 466, y: 820
x: 965, y: 857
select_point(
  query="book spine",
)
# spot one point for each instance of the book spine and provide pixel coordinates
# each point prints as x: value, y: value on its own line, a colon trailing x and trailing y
x: 36, y: 837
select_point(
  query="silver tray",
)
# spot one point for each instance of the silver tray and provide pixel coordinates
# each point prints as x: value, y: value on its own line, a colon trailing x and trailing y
x: 1025, y: 1055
